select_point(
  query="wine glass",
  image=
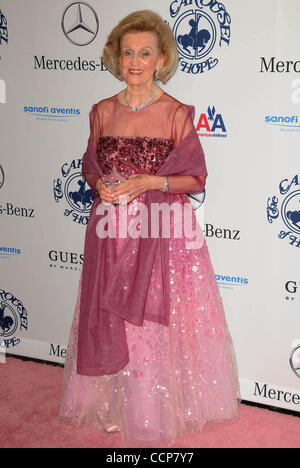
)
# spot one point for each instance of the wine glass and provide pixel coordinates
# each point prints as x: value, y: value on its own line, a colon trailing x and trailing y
x: 111, y: 180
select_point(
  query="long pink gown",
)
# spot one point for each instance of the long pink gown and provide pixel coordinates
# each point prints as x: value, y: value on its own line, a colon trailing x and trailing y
x: 179, y: 377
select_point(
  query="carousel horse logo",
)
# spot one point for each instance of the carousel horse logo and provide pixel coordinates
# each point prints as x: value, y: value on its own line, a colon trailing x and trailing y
x: 13, y: 319
x: 285, y: 206
x: 80, y: 23
x: 72, y: 188
x: 3, y: 29
x: 200, y: 28
x: 295, y: 358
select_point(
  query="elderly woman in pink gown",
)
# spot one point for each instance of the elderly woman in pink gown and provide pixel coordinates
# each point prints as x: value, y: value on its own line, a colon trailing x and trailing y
x: 149, y: 352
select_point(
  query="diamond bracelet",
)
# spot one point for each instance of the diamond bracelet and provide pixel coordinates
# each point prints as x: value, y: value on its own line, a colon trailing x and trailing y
x: 166, y: 185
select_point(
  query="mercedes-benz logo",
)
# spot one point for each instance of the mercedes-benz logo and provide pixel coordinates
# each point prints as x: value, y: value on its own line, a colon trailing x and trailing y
x: 80, y: 23
x: 1, y: 176
x: 295, y: 360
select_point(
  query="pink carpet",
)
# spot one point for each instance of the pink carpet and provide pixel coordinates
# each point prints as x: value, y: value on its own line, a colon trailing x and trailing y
x: 29, y: 405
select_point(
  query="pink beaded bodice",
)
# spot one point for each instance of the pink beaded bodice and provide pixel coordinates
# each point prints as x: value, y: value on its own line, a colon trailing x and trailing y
x: 133, y: 155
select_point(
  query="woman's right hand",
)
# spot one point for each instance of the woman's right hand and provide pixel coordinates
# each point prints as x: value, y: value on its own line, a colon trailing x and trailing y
x: 104, y: 192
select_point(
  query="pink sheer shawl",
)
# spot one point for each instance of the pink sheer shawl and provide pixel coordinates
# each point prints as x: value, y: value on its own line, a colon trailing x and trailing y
x: 115, y: 287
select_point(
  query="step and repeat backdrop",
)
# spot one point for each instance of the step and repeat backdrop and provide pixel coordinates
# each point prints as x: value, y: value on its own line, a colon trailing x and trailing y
x: 240, y: 68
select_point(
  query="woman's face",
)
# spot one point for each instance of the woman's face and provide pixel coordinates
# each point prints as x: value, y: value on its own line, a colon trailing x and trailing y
x: 140, y: 57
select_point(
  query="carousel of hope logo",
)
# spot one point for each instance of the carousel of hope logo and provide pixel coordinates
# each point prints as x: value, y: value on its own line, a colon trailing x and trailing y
x: 285, y: 206
x: 201, y: 29
x: 71, y: 187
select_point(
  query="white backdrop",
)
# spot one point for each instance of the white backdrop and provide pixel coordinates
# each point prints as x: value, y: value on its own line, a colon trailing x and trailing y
x: 245, y: 85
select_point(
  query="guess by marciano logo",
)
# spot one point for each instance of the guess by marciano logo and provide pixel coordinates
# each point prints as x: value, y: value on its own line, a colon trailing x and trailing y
x: 201, y: 29
x: 285, y: 207
x: 292, y: 291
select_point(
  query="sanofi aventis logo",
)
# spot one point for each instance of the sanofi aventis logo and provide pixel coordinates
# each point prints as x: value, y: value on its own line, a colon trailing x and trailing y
x: 230, y: 282
x: 61, y: 114
x: 8, y: 252
x: 288, y: 123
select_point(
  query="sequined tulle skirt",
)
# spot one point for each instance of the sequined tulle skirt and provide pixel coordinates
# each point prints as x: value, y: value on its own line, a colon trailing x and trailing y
x: 178, y: 378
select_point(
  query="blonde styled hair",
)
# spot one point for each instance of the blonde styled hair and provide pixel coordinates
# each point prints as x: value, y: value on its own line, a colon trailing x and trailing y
x: 142, y: 21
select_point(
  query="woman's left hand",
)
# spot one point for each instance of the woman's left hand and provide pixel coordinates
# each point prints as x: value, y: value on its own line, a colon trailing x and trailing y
x: 136, y: 185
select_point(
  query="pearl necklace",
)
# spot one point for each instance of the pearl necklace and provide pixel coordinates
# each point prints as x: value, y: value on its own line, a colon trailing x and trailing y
x: 135, y: 109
